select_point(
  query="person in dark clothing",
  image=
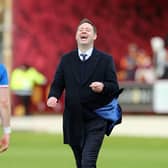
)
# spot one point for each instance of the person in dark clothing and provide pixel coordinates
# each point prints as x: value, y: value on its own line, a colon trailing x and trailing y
x: 89, y: 79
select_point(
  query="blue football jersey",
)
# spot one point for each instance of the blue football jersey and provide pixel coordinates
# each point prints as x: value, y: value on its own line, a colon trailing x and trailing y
x: 3, y: 76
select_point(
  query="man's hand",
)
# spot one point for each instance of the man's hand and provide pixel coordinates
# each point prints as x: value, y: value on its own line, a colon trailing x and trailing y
x: 52, y: 102
x: 97, y: 86
x: 4, y: 142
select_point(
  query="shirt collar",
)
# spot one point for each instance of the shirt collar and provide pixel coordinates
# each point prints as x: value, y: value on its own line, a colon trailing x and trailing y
x: 88, y: 52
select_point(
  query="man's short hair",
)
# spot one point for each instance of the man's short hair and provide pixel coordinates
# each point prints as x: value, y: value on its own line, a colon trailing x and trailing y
x: 85, y: 20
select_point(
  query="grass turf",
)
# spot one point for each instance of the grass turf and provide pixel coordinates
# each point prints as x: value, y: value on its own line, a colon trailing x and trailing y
x: 40, y: 150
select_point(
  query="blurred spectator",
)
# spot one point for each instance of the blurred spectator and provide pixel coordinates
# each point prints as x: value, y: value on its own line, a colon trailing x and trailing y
x: 144, y: 71
x: 166, y: 41
x: 159, y: 54
x: 128, y: 63
x: 23, y: 80
x: 165, y: 74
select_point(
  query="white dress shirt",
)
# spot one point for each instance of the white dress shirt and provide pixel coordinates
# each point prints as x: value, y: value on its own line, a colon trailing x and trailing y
x: 88, y: 53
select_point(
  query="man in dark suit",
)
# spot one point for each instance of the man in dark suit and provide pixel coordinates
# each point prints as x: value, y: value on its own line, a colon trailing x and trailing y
x: 89, y: 79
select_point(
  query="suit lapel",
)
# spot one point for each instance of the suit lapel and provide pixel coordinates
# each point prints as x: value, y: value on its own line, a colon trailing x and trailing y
x: 92, y: 62
x: 75, y: 65
x: 91, y: 67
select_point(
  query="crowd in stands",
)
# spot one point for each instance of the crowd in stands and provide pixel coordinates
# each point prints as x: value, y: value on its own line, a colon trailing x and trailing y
x: 139, y: 66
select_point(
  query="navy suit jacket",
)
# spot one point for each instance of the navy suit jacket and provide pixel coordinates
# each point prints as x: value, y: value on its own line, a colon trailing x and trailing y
x: 79, y: 97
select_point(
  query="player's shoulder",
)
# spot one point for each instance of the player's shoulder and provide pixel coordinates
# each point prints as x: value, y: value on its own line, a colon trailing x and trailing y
x: 2, y: 68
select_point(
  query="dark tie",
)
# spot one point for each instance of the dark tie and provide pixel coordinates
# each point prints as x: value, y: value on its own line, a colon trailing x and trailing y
x: 83, y: 57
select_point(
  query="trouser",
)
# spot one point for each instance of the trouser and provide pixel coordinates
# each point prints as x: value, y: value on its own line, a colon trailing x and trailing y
x: 26, y: 102
x: 86, y: 155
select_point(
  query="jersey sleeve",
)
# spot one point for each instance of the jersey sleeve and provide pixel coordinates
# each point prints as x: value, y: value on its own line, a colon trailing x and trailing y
x: 3, y: 76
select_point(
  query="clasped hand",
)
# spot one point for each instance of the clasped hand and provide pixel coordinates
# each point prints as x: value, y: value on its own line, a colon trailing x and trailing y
x: 52, y: 102
x: 97, y: 86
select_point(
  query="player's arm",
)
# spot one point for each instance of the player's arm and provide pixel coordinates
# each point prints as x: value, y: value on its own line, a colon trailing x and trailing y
x: 5, y: 118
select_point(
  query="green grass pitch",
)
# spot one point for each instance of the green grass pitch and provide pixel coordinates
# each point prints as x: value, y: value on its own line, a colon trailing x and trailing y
x: 40, y: 150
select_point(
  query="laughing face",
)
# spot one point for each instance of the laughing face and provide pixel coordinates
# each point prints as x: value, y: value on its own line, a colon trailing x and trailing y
x: 85, y: 35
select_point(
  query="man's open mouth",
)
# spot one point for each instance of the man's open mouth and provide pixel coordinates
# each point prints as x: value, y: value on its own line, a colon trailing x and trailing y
x: 83, y: 37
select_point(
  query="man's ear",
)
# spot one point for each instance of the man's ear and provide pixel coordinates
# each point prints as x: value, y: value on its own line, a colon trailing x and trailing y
x: 76, y: 36
x: 95, y: 36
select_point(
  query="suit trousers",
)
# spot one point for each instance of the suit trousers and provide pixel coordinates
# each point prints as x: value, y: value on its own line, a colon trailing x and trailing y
x: 86, y: 155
